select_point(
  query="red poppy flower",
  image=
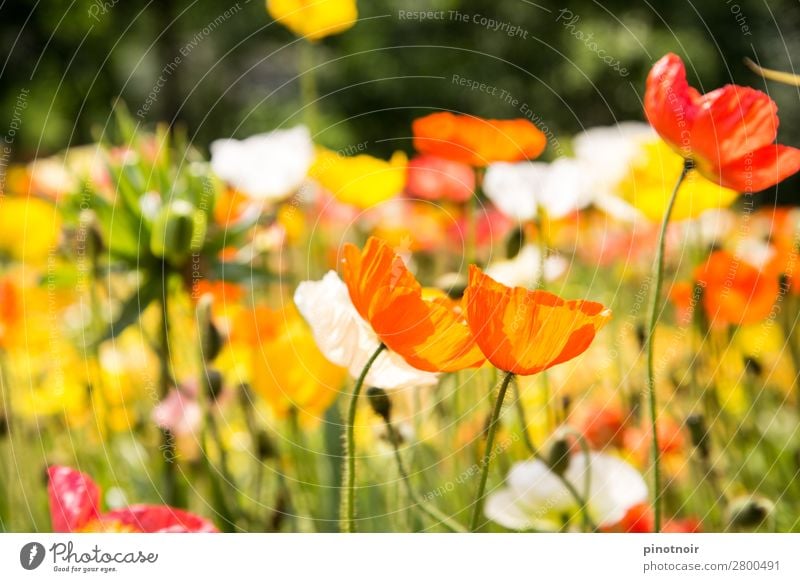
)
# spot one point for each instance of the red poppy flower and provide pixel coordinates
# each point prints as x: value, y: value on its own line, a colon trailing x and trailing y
x: 476, y: 141
x: 602, y: 426
x: 429, y: 333
x: 640, y: 519
x: 75, y: 507
x: 435, y: 178
x: 671, y: 440
x: 524, y: 331
x: 729, y: 133
x: 735, y: 292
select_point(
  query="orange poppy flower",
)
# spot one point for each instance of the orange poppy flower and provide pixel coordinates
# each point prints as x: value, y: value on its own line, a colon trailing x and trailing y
x: 429, y: 333
x: 476, y: 141
x: 736, y: 292
x: 10, y: 308
x: 729, y: 133
x: 782, y: 232
x: 524, y: 331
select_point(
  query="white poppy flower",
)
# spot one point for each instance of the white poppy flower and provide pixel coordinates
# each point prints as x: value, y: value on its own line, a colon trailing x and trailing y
x: 755, y: 252
x: 347, y: 340
x: 267, y: 167
x: 607, y: 155
x: 560, y: 188
x: 712, y: 227
x: 512, y: 188
x: 535, y: 498
x: 524, y: 270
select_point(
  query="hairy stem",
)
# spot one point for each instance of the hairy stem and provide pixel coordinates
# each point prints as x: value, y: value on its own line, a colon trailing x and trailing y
x: 347, y: 513
x: 655, y: 303
x: 488, y: 452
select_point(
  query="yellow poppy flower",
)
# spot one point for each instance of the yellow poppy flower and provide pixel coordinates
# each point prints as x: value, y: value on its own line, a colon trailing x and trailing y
x: 29, y: 229
x: 291, y: 218
x: 314, y: 19
x: 361, y: 180
x: 288, y: 370
x: 649, y: 184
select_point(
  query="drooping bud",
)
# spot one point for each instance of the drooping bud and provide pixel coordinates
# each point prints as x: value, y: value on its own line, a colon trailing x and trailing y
x: 514, y: 242
x: 749, y: 513
x: 210, y: 338
x: 559, y: 457
x: 698, y: 432
x: 380, y: 402
x: 752, y: 366
x: 641, y: 335
x: 265, y: 447
x: 214, y: 383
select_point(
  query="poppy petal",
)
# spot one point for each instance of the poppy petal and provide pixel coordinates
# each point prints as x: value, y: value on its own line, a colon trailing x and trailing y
x: 159, y: 519
x: 74, y: 499
x: 429, y: 334
x: 669, y: 103
x: 761, y: 169
x: 733, y: 121
x: 525, y: 332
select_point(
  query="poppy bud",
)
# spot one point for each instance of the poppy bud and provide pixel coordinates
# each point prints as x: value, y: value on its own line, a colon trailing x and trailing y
x: 454, y: 284
x: 265, y: 449
x: 641, y: 334
x: 749, y: 512
x: 698, y: 432
x: 514, y: 242
x: 210, y: 337
x: 178, y: 230
x: 752, y: 366
x: 380, y: 402
x: 214, y: 383
x: 558, y: 460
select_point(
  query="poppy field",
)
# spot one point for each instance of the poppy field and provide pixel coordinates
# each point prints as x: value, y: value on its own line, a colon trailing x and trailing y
x: 493, y: 328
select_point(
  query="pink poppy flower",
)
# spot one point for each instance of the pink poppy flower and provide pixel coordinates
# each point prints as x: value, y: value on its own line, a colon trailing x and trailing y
x: 434, y: 178
x: 75, y: 507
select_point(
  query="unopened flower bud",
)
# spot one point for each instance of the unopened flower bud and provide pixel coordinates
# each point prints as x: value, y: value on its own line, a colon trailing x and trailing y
x: 265, y: 447
x: 559, y: 458
x: 514, y: 242
x: 698, y: 432
x: 380, y: 402
x: 641, y: 335
x: 178, y: 230
x: 210, y: 337
x: 752, y: 366
x: 749, y: 512
x: 214, y: 383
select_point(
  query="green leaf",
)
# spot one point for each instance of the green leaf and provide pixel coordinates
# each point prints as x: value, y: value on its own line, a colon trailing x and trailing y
x: 132, y: 309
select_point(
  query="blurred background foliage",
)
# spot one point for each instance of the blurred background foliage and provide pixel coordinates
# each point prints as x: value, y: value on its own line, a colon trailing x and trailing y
x: 236, y: 71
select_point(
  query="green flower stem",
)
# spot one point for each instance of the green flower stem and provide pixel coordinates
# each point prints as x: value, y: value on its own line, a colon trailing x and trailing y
x: 432, y: 512
x: 588, y: 524
x: 167, y: 449
x: 487, y: 453
x: 347, y: 511
x: 655, y: 302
